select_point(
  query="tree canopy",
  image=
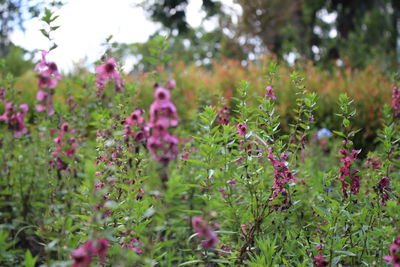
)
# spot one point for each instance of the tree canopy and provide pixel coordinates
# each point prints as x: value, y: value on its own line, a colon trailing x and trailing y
x: 325, y: 31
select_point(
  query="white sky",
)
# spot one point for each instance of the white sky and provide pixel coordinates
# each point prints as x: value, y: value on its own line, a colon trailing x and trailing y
x: 86, y: 23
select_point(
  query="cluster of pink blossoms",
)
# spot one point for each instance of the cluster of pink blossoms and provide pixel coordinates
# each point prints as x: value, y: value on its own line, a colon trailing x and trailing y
x: 348, y: 177
x: 373, y: 162
x: 282, y: 175
x: 15, y: 119
x: 133, y: 243
x: 320, y: 261
x: 394, y: 253
x: 205, y: 232
x: 163, y: 115
x: 383, y: 187
x: 84, y: 254
x: 136, y: 120
x: 223, y: 116
x: 108, y: 71
x: 48, y: 78
x: 241, y: 129
x: 65, y: 145
x: 396, y: 101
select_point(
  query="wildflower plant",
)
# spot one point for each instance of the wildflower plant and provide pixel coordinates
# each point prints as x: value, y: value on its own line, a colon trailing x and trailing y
x: 149, y: 176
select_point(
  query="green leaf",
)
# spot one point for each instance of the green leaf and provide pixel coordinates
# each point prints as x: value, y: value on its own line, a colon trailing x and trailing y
x: 190, y: 262
x: 29, y: 260
x: 347, y: 253
x: 53, y: 28
x: 346, y: 123
x: 44, y: 32
x: 339, y: 133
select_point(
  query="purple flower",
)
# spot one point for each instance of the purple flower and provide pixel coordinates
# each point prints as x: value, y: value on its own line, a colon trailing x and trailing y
x: 242, y: 129
x: 346, y: 175
x: 394, y: 253
x: 15, y: 119
x: 65, y: 146
x: 102, y: 246
x: 81, y: 257
x: 282, y: 175
x: 171, y: 84
x: 320, y: 261
x: 162, y: 145
x: 108, y: 71
x: 48, y: 72
x: 204, y: 231
x: 373, y: 162
x: 46, y: 100
x: 269, y: 95
x: 135, y: 119
x: 223, y: 116
x: 232, y: 182
x: 323, y: 134
x: 383, y: 187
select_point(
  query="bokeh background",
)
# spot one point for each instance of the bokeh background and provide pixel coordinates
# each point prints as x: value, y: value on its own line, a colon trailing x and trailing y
x: 209, y: 46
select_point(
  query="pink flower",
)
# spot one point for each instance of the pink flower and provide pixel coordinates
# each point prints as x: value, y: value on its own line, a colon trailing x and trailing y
x: 383, y: 188
x: 163, y: 148
x: 8, y: 108
x: 185, y: 155
x: 101, y: 250
x: 99, y: 186
x: 394, y: 253
x: 204, y: 231
x: 84, y: 254
x: 320, y: 261
x: 65, y: 146
x: 52, y: 70
x: 48, y: 73
x: 223, y: 116
x: 163, y: 112
x: 232, y: 182
x: 138, y: 250
x: 242, y: 129
x: 162, y: 145
x: 15, y: 119
x: 373, y: 162
x: 2, y: 95
x: 162, y: 94
x: 210, y: 241
x: 47, y: 102
x: 71, y: 103
x: 282, y: 176
x: 269, y: 95
x: 135, y: 119
x: 41, y: 66
x: 81, y: 257
x: 346, y: 175
x: 171, y: 84
x: 108, y: 71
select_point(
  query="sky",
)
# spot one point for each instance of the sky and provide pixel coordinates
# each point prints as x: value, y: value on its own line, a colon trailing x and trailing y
x: 85, y: 24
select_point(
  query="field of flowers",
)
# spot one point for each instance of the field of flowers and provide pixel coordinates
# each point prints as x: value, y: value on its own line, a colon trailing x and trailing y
x: 264, y: 165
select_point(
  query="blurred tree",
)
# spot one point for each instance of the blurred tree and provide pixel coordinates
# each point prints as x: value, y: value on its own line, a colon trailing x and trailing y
x: 188, y: 44
x: 12, y: 15
x: 172, y: 13
x: 356, y: 31
x: 15, y: 61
